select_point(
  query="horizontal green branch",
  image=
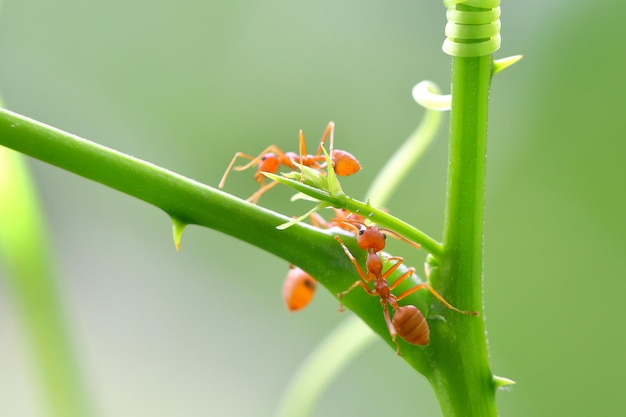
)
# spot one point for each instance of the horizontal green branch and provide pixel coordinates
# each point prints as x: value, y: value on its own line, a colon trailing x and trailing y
x: 190, y: 202
x: 184, y: 199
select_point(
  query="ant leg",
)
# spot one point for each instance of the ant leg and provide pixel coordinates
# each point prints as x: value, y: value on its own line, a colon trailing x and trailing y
x: 392, y: 268
x: 270, y: 149
x: 253, y: 160
x: 230, y: 166
x: 358, y: 283
x: 254, y: 198
x: 302, y: 150
x: 355, y: 284
x: 392, y: 330
x: 352, y: 259
x: 330, y: 130
x: 437, y: 295
x: 311, y: 161
x: 404, y: 276
x: 302, y: 144
x: 318, y: 221
x: 400, y: 237
x: 395, y: 266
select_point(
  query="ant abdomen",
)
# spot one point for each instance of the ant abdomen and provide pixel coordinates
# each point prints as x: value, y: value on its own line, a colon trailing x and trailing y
x: 298, y: 288
x: 411, y: 325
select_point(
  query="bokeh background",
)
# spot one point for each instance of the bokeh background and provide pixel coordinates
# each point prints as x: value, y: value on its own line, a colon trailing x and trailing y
x: 187, y: 84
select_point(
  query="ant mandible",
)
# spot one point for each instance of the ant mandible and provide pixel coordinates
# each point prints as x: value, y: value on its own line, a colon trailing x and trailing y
x: 409, y: 323
x: 272, y: 157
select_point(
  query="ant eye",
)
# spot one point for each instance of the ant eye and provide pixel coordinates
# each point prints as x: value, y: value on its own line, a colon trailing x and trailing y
x: 361, y: 231
x: 264, y: 157
x: 384, y: 236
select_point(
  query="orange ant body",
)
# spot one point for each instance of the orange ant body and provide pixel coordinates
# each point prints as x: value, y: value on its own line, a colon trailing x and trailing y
x: 299, y: 287
x: 408, y: 321
x: 272, y: 157
x: 411, y: 325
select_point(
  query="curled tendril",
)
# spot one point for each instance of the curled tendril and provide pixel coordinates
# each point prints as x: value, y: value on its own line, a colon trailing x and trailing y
x: 428, y: 95
x: 473, y: 27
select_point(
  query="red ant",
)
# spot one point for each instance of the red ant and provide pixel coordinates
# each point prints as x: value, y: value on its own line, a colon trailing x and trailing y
x: 273, y: 157
x: 299, y: 287
x: 410, y: 322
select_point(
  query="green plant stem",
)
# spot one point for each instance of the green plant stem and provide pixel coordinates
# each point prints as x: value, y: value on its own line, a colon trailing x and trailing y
x: 24, y: 248
x: 189, y: 202
x: 186, y: 200
x: 366, y: 210
x: 462, y: 378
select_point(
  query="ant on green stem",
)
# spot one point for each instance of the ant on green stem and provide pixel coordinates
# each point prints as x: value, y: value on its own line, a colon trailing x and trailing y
x: 272, y: 157
x: 408, y: 322
x: 299, y: 286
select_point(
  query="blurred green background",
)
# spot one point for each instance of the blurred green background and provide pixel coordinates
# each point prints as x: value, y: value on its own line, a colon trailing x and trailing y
x: 187, y: 85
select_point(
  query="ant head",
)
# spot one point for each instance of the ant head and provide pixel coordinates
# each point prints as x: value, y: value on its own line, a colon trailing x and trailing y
x: 268, y: 163
x: 371, y: 238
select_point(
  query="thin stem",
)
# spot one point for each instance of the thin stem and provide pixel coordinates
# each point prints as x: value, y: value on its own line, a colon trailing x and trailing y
x: 366, y: 210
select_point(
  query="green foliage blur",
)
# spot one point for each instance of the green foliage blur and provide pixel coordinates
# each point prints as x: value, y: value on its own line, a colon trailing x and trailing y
x: 185, y: 85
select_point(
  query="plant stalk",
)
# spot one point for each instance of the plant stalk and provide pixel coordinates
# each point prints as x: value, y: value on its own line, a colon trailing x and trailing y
x: 189, y: 202
x: 462, y: 378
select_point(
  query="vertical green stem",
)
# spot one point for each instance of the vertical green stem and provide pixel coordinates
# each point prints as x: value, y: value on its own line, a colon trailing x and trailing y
x: 462, y: 378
